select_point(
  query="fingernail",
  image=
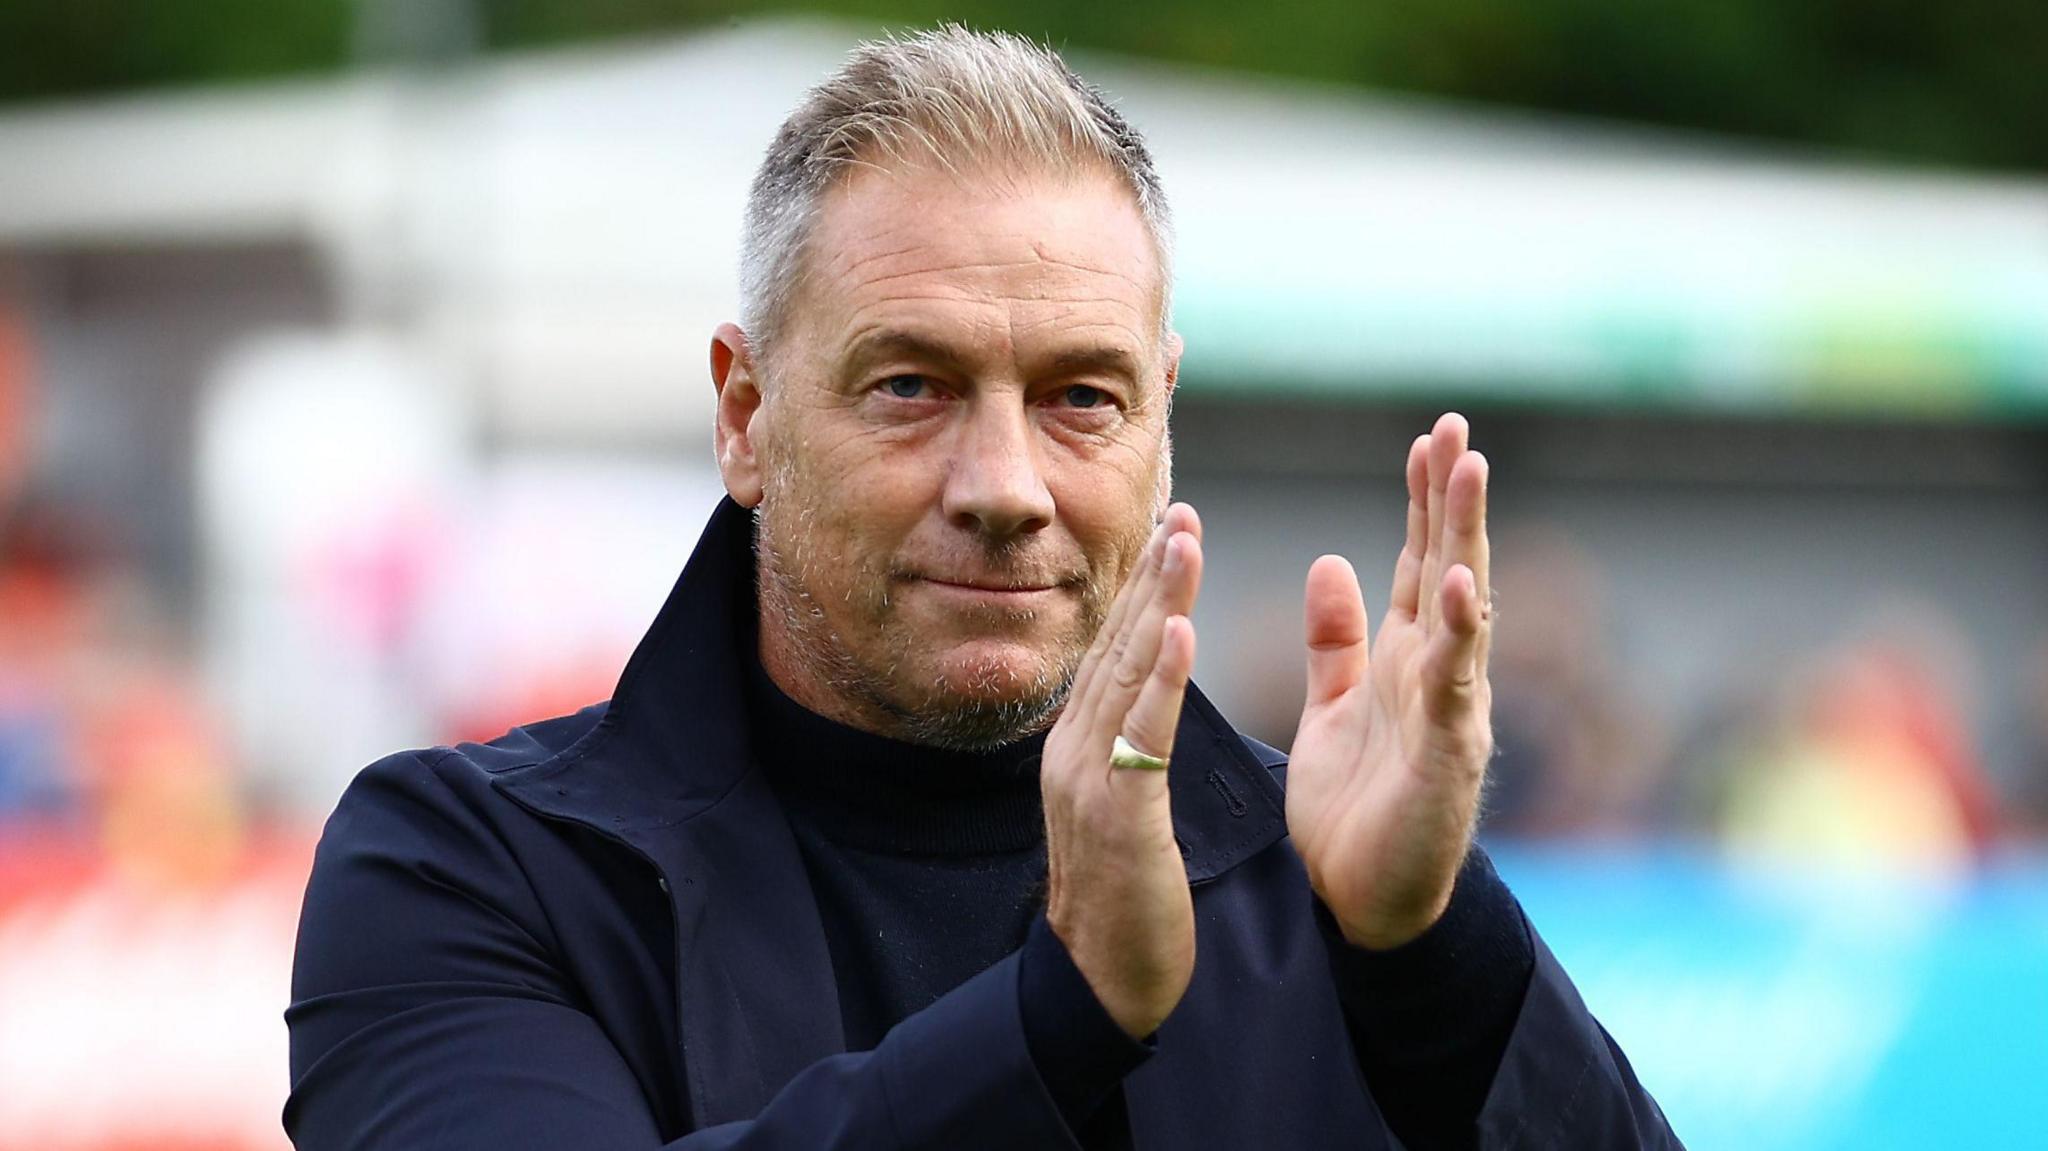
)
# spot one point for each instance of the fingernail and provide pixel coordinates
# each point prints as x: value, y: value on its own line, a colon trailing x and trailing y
x: 1173, y: 560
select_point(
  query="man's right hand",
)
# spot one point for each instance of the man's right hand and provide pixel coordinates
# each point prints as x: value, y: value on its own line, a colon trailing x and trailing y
x: 1117, y: 890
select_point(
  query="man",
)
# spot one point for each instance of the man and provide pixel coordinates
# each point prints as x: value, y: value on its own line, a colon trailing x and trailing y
x: 784, y: 890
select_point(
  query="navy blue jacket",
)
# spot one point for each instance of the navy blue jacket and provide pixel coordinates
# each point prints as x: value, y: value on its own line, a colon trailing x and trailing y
x: 597, y: 932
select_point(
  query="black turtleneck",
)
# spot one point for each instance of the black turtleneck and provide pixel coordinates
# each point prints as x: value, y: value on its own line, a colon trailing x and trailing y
x: 929, y: 867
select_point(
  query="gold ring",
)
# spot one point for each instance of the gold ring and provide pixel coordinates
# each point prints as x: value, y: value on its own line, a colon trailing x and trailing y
x: 1123, y: 755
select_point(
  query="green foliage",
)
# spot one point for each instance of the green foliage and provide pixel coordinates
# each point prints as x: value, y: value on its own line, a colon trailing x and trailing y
x: 1961, y: 82
x: 74, y: 47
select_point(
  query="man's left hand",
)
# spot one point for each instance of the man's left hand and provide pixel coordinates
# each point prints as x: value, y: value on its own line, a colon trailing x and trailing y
x: 1383, y: 780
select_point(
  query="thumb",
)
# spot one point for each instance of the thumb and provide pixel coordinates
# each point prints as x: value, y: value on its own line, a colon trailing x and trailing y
x: 1333, y: 611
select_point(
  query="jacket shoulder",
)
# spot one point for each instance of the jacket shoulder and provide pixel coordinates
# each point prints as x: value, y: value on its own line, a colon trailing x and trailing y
x: 417, y: 828
x: 436, y: 775
x: 436, y: 806
x: 531, y: 743
x: 424, y: 879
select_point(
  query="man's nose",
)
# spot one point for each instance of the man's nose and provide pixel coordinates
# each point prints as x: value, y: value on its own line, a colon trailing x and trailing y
x: 995, y: 487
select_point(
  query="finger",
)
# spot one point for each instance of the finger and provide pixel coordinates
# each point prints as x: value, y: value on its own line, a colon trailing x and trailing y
x: 1450, y: 671
x: 1116, y: 625
x: 1178, y: 518
x: 1465, y: 540
x: 1333, y: 612
x: 1115, y: 633
x: 1155, y: 715
x: 1446, y: 444
x: 1408, y: 569
x: 1179, y: 577
x: 1173, y: 593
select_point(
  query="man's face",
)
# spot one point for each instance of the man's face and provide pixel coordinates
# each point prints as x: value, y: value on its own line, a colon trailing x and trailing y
x: 961, y: 448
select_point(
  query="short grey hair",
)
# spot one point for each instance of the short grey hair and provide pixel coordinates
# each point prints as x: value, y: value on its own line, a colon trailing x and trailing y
x: 948, y: 96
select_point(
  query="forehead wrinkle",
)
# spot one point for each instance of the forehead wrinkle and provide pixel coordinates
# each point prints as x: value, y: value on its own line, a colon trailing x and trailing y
x: 979, y: 266
x: 1069, y: 296
x: 843, y: 265
x: 1068, y: 271
x: 1065, y: 307
x: 934, y: 309
x: 973, y: 314
x: 961, y: 311
x: 1040, y: 248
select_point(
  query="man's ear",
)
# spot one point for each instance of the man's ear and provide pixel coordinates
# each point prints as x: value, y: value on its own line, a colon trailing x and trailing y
x: 1173, y: 349
x: 736, y: 424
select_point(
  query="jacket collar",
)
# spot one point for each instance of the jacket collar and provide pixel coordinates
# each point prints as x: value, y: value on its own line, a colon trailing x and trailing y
x: 673, y: 739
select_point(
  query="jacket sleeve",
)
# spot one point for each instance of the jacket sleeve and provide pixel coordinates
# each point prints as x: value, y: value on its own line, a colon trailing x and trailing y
x: 428, y: 1011
x: 1472, y: 1038
x: 1563, y: 1081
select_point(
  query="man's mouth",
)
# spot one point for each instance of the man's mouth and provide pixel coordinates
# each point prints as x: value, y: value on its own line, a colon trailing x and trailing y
x: 990, y: 583
x: 1010, y: 591
x: 988, y: 587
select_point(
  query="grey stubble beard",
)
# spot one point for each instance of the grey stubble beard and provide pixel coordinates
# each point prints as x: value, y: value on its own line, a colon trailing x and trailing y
x: 982, y: 718
x: 871, y: 694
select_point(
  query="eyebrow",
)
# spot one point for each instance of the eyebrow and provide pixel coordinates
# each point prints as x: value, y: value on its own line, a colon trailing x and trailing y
x: 1104, y: 359
x: 894, y: 343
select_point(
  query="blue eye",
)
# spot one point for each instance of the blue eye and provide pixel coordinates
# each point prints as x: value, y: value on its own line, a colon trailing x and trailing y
x: 1083, y: 396
x: 905, y: 387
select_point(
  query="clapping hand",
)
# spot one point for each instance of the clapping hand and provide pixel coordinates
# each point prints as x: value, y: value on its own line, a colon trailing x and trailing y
x: 1384, y: 776
x: 1117, y: 891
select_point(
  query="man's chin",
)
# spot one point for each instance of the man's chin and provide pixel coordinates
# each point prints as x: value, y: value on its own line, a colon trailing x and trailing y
x: 983, y: 695
x: 996, y: 668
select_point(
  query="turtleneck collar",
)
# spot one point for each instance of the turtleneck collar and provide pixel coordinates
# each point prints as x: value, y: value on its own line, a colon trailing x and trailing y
x: 874, y: 793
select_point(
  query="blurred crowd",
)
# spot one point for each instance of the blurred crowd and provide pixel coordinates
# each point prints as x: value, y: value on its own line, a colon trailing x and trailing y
x: 107, y: 745
x: 1861, y: 751
x: 1864, y: 751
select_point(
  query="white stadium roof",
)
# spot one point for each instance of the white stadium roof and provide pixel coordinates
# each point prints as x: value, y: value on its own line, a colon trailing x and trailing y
x: 568, y: 223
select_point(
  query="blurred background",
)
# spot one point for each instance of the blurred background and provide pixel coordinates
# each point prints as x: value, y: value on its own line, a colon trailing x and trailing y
x: 352, y: 398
